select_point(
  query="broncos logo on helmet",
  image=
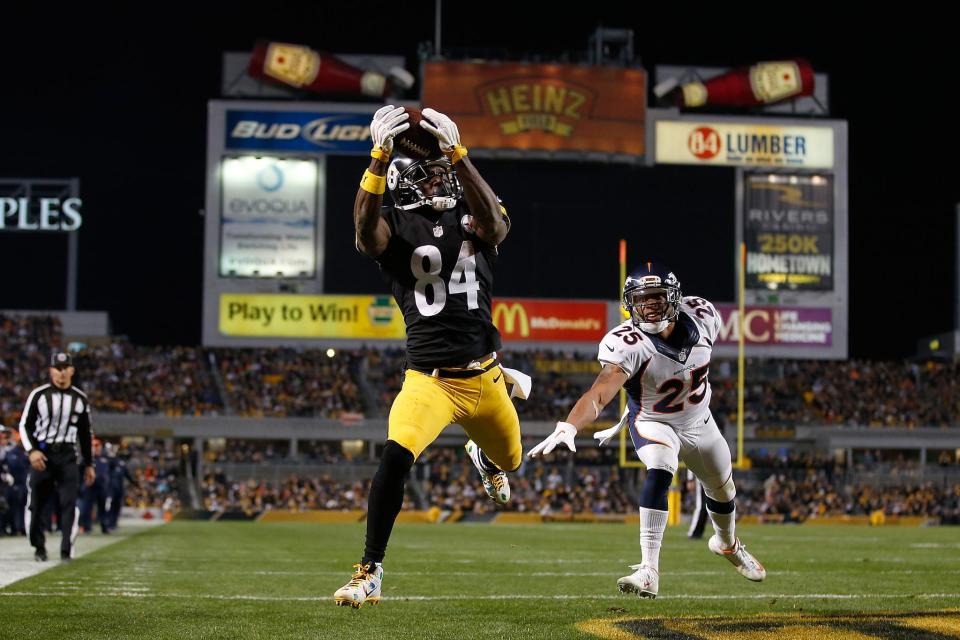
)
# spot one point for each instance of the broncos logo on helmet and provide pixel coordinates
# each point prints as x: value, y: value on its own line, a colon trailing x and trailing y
x: 651, y: 295
x: 406, y: 179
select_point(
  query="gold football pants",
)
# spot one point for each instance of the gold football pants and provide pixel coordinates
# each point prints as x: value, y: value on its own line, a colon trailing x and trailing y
x: 481, y: 405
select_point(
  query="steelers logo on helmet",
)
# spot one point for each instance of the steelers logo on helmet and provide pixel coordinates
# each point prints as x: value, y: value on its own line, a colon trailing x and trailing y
x: 415, y: 183
x: 651, y: 295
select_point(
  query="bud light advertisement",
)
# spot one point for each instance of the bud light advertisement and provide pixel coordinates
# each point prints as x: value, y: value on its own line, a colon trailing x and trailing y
x: 341, y: 133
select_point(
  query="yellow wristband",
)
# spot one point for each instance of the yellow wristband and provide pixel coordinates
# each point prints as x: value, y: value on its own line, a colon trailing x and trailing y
x: 372, y: 183
x: 380, y: 154
x: 457, y: 153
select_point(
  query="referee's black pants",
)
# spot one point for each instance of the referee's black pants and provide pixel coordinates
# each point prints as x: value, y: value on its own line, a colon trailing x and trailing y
x: 63, y: 476
x: 698, y: 520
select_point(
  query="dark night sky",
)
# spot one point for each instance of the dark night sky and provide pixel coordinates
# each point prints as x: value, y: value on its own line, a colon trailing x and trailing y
x: 121, y: 103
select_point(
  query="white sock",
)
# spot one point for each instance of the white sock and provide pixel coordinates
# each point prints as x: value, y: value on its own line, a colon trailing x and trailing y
x: 725, y: 525
x: 652, y: 524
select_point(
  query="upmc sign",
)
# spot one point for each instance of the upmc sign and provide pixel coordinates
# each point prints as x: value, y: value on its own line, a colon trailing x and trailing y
x: 777, y: 326
x: 528, y: 320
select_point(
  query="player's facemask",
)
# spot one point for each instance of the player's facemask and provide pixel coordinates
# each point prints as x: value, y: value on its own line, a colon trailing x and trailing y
x: 652, y: 298
x: 407, y: 180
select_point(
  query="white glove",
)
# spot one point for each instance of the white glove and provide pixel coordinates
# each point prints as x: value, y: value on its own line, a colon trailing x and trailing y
x: 387, y: 122
x: 443, y: 128
x: 563, y: 434
x: 605, y: 436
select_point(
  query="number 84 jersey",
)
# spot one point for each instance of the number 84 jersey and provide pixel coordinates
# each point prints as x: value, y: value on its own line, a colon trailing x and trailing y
x: 441, y: 275
x: 668, y: 378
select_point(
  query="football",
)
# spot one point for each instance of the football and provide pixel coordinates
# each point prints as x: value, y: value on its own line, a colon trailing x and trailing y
x: 416, y: 142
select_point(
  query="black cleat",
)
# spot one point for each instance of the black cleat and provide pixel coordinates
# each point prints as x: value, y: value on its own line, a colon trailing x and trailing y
x: 65, y: 556
x: 40, y: 555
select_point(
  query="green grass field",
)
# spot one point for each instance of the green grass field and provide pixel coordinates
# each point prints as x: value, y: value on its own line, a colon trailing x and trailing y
x: 190, y: 580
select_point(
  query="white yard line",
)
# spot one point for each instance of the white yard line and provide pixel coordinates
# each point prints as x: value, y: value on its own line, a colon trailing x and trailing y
x: 517, y: 574
x: 520, y: 574
x: 16, y: 554
x: 514, y: 596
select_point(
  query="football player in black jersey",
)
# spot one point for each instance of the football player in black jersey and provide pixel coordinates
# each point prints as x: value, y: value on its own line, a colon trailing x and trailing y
x: 437, y: 244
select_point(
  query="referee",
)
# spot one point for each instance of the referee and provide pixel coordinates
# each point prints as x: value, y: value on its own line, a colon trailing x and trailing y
x: 55, y: 420
x: 698, y: 520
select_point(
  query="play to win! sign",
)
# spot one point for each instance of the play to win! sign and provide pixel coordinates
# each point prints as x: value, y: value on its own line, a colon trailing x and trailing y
x: 378, y: 317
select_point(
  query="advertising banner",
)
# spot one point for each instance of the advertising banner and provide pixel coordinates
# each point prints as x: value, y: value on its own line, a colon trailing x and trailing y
x: 788, y: 229
x: 743, y: 144
x: 777, y: 326
x: 299, y: 316
x: 521, y: 320
x: 268, y: 221
x: 319, y: 132
x: 378, y: 317
x: 553, y: 107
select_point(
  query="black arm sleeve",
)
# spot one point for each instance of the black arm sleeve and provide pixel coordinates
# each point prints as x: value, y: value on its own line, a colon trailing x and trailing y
x: 85, y: 437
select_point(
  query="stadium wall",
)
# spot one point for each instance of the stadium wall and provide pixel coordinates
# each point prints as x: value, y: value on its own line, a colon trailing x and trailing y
x: 820, y: 436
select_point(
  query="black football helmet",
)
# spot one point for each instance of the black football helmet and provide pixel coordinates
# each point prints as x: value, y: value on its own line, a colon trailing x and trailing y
x: 405, y: 178
x: 652, y: 314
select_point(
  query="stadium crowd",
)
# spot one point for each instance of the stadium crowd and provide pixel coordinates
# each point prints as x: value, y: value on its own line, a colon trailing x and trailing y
x: 790, y: 487
x: 853, y: 393
x: 290, y: 383
x: 781, y: 499
x: 125, y: 378
x: 292, y: 494
x: 25, y: 346
x: 120, y: 377
x: 783, y: 487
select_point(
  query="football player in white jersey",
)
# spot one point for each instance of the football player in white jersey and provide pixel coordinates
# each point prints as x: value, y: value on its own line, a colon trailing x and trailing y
x: 661, y: 357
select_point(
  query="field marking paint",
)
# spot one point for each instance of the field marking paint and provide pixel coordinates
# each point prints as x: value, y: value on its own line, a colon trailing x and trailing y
x: 518, y: 574
x: 516, y: 596
x: 935, y: 545
x: 16, y: 554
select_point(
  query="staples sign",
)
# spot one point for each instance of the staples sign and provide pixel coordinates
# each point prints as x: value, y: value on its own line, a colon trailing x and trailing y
x: 40, y: 214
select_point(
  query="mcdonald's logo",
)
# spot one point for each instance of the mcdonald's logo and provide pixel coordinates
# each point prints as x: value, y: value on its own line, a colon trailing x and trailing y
x: 505, y: 317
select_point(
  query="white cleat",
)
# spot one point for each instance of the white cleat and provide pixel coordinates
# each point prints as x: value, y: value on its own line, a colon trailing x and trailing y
x: 748, y: 566
x: 496, y: 485
x: 364, y: 587
x: 644, y: 581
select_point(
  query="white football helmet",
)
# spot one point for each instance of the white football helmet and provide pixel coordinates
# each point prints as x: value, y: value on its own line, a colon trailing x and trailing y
x: 406, y: 177
x: 652, y: 290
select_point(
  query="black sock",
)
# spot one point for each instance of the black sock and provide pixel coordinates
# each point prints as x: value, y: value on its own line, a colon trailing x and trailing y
x: 386, y: 499
x: 722, y: 508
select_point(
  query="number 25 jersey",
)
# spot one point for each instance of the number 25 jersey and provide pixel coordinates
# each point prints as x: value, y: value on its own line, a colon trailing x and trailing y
x: 441, y: 275
x: 668, y: 381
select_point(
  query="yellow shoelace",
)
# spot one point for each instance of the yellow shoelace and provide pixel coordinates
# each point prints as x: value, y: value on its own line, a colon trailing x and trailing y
x: 362, y: 571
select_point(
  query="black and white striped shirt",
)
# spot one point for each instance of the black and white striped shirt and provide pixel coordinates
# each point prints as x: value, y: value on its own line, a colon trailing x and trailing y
x: 57, y: 416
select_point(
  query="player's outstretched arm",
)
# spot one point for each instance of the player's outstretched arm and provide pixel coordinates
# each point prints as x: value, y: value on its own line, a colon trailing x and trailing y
x: 491, y: 225
x: 373, y: 232
x: 608, y: 383
x: 604, y: 389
